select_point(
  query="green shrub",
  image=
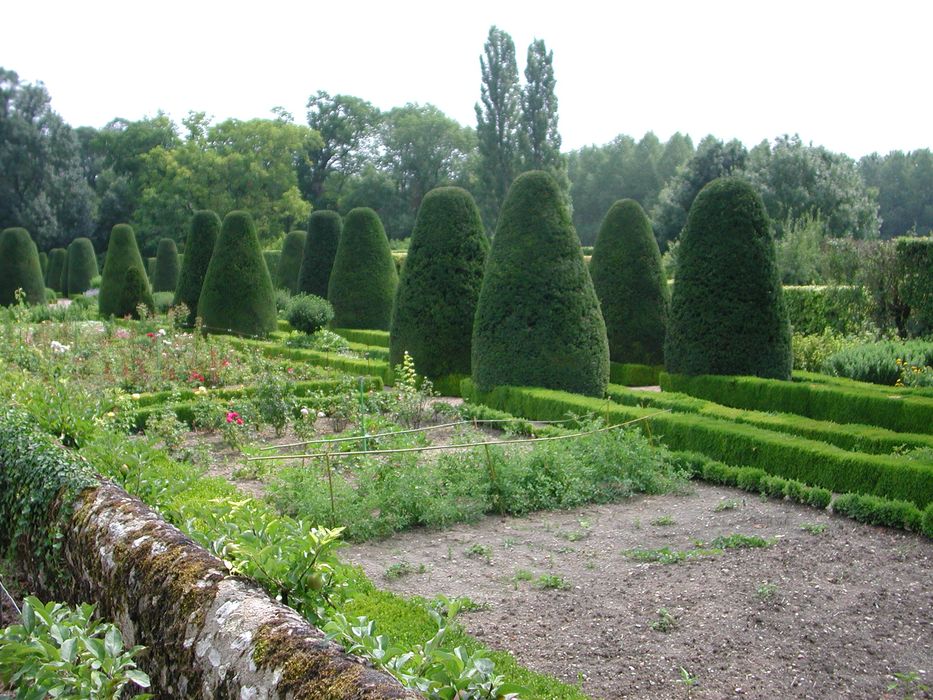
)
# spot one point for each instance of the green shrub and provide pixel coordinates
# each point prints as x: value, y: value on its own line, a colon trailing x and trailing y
x: 290, y: 261
x: 320, y: 250
x: 365, y: 337
x: 879, y: 511
x: 19, y: 268
x: 439, y: 286
x: 926, y: 524
x: 50, y: 295
x: 363, y: 281
x: 122, y: 254
x: 58, y: 258
x: 205, y: 227
x: 915, y: 258
x: 150, y: 267
x: 633, y: 374
x: 877, y: 362
x: 844, y: 310
x: 308, y: 313
x: 812, y: 351
x: 82, y: 265
x: 162, y: 301
x: 237, y: 295
x: 165, y: 277
x: 631, y: 286
x: 43, y: 263
x: 95, y: 281
x: 271, y: 258
x: 134, y: 292
x: 727, y: 311
x: 282, y: 299
x: 538, y: 321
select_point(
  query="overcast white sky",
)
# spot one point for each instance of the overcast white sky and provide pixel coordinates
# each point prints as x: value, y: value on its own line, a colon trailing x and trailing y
x: 852, y: 76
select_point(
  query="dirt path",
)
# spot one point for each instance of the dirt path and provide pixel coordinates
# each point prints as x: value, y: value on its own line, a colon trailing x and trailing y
x: 826, y: 615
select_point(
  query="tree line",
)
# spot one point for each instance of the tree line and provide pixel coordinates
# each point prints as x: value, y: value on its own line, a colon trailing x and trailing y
x: 62, y: 183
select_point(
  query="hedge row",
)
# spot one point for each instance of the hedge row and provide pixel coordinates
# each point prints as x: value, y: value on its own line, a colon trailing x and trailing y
x: 373, y: 368
x: 877, y: 362
x: 806, y: 460
x: 366, y: 337
x: 843, y: 309
x: 841, y: 404
x: 626, y: 374
x: 915, y: 256
x: 846, y: 383
x: 848, y: 436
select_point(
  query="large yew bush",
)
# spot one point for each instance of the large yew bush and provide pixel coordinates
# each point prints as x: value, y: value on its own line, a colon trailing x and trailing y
x: 320, y: 249
x: 19, y: 268
x: 82, y: 265
x: 165, y: 277
x: 293, y: 249
x: 122, y: 254
x: 205, y: 227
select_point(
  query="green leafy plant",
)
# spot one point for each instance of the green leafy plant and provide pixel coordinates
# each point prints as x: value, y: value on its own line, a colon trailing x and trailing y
x: 726, y: 504
x: 663, y: 521
x: 766, y: 592
x: 401, y: 569
x: 814, y: 528
x: 552, y: 581
x: 480, y: 551
x: 308, y: 313
x: 59, y: 651
x: 665, y: 622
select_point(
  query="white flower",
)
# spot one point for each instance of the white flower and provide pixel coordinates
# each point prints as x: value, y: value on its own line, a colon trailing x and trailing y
x: 161, y: 331
x: 305, y: 411
x: 321, y: 414
x: 59, y: 347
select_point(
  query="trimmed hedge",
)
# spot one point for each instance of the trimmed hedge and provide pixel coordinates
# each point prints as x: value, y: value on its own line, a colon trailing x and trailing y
x: 915, y: 258
x: 363, y: 281
x: 880, y: 511
x: 848, y: 436
x: 205, y: 228
x: 44, y: 263
x: 805, y: 460
x: 122, y: 254
x: 877, y: 362
x: 350, y: 365
x: 538, y: 321
x: 633, y: 374
x: 165, y: 277
x: 365, y: 337
x: 439, y: 286
x: 842, y: 309
x: 319, y: 253
x: 727, y: 310
x: 134, y: 293
x: 58, y: 259
x: 237, y: 295
x: 895, y: 411
x: 82, y: 265
x: 845, y: 382
x: 631, y: 286
x: 286, y: 275
x: 20, y: 268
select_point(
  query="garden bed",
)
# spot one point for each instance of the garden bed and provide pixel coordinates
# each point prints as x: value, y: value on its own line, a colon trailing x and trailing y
x: 834, y: 610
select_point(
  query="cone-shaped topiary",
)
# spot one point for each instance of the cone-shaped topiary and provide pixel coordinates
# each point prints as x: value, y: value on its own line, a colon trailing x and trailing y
x: 293, y: 249
x: 150, y: 267
x: 82, y: 265
x: 320, y: 250
x: 363, y: 281
x: 727, y: 310
x: 20, y: 268
x: 122, y: 254
x: 134, y: 292
x: 271, y: 258
x: 165, y: 278
x: 205, y: 227
x: 538, y: 321
x: 58, y: 258
x: 439, y: 285
x: 237, y: 295
x: 630, y: 284
x: 44, y: 263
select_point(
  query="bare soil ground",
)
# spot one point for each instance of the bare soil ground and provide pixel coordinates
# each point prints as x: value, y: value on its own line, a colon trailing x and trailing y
x: 834, y: 614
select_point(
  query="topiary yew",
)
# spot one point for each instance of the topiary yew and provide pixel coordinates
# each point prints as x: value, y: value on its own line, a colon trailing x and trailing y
x: 439, y: 286
x: 290, y: 261
x: 363, y: 281
x: 134, y: 293
x: 20, y: 268
x: 122, y: 254
x: 538, y: 321
x: 58, y: 258
x: 205, y: 227
x: 82, y: 265
x: 165, y: 278
x: 320, y: 249
x: 44, y: 263
x: 630, y: 284
x: 727, y: 310
x: 237, y: 295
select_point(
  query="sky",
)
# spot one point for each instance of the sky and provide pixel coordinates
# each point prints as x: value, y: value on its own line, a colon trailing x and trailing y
x: 851, y: 76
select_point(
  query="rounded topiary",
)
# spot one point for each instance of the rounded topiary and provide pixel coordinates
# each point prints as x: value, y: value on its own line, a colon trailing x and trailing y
x: 727, y: 311
x: 134, y: 293
x: 82, y: 265
x: 320, y: 249
x: 58, y: 258
x: 20, y: 268
x: 205, y: 227
x: 122, y: 254
x: 308, y: 313
x: 439, y: 285
x: 630, y: 284
x: 293, y: 250
x: 363, y: 281
x: 165, y: 278
x: 538, y: 321
x: 237, y: 294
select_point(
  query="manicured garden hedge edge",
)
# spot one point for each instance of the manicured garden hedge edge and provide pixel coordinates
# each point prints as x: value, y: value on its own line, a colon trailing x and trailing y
x: 634, y: 375
x: 201, y: 628
x: 375, y: 368
x: 848, y: 436
x: 846, y: 382
x: 809, y: 461
x: 906, y: 414
x: 366, y: 337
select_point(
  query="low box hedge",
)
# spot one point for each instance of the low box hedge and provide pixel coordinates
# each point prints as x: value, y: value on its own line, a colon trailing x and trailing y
x: 364, y: 337
x: 626, y: 374
x: 350, y: 365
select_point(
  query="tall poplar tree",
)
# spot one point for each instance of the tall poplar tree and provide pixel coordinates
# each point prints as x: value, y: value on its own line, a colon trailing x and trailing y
x: 539, y: 139
x: 497, y: 122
